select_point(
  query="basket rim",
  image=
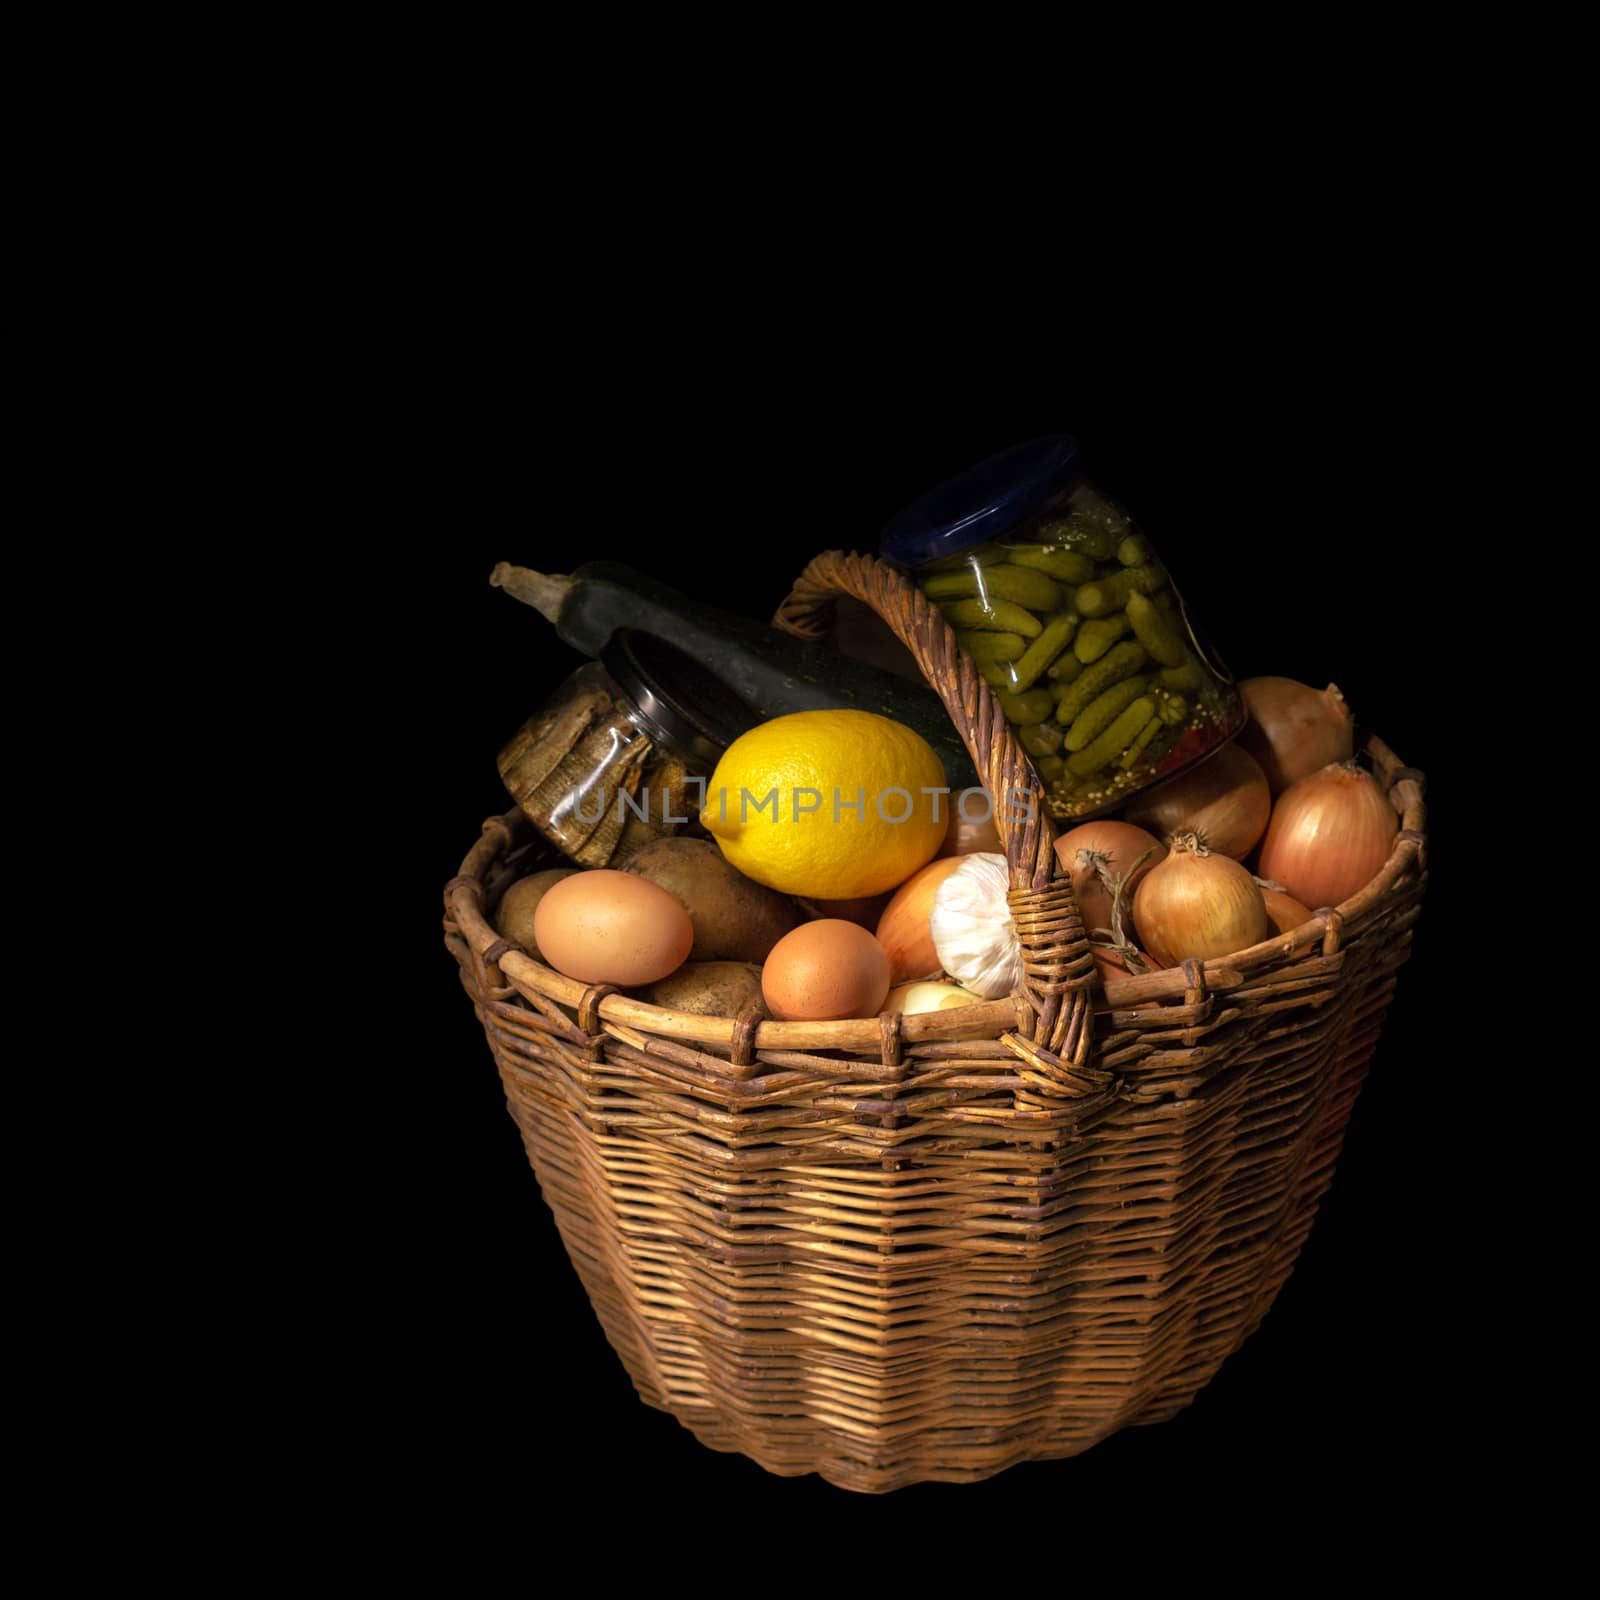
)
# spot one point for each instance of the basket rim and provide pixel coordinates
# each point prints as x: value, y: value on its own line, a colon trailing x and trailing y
x: 985, y: 1021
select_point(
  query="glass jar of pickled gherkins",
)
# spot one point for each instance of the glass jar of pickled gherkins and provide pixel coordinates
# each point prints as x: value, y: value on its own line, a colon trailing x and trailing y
x: 1072, y: 618
x: 620, y: 755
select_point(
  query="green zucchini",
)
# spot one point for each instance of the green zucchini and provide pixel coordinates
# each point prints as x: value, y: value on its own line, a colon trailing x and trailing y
x: 774, y: 672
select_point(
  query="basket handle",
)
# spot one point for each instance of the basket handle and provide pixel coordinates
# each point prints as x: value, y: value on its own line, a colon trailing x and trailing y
x: 1058, y: 969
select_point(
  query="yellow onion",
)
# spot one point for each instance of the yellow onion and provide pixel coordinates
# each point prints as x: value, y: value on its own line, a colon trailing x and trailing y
x: 964, y: 836
x: 903, y: 929
x: 1294, y: 730
x: 1329, y: 835
x: 1095, y: 851
x: 915, y: 998
x: 1197, y: 905
x: 1283, y: 910
x: 1225, y: 800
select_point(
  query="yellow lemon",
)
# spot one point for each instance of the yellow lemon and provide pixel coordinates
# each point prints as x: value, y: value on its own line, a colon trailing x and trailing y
x: 832, y: 805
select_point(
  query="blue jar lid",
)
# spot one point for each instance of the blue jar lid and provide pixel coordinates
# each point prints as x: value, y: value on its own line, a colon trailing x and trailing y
x: 981, y: 503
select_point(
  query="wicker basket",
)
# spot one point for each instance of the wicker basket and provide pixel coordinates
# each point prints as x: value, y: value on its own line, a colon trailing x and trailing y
x: 931, y: 1247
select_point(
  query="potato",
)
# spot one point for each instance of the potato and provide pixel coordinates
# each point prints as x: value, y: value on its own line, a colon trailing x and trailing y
x: 513, y: 918
x: 734, y: 919
x: 708, y: 988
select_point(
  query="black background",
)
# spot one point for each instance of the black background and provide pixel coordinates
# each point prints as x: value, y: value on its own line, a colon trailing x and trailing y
x: 1300, y: 497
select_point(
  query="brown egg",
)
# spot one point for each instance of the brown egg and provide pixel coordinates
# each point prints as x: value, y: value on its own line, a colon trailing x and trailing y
x: 611, y: 927
x: 826, y: 971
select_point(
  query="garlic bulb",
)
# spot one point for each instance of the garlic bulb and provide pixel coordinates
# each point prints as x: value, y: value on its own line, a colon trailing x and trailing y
x: 972, y: 930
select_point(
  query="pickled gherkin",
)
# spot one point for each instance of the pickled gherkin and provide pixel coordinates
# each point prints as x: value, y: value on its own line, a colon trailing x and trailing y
x: 1098, y: 634
x: 1034, y: 705
x: 999, y: 616
x: 993, y: 584
x: 1052, y: 639
x: 1111, y: 592
x: 1153, y: 630
x: 996, y: 661
x: 1122, y: 661
x: 1137, y: 748
x: 1070, y: 566
x: 1099, y: 714
x: 1044, y: 740
x: 1114, y: 740
x: 992, y: 646
x: 999, y: 675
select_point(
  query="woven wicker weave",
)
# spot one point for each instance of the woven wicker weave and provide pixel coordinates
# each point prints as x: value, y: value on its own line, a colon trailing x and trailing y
x: 931, y: 1247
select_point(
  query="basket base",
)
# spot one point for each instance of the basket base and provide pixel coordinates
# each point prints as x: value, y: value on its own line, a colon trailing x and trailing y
x: 960, y: 1459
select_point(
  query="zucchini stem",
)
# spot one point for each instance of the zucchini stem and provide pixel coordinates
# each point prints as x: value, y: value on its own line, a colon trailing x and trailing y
x: 537, y: 589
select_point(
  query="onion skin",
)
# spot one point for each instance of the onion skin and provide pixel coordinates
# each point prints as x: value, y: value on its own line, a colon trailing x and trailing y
x: 1124, y: 844
x: 1198, y: 905
x: 1283, y: 911
x: 903, y: 928
x: 1225, y: 800
x: 1295, y: 730
x: 1329, y: 835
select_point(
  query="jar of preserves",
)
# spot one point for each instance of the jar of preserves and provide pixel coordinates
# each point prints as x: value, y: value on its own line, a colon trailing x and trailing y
x: 621, y: 753
x: 1069, y: 613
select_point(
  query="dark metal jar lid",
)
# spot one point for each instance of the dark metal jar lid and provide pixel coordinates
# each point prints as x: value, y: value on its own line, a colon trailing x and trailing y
x: 681, y: 704
x: 981, y: 503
